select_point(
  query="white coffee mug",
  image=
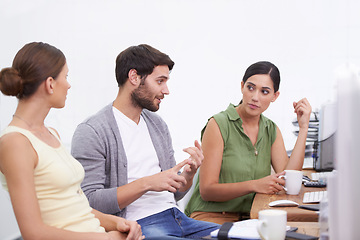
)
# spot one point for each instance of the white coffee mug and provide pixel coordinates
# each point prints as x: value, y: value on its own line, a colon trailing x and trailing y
x: 272, y: 224
x: 293, y: 181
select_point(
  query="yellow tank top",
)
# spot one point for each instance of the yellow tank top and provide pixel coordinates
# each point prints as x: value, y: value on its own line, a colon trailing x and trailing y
x: 57, y: 179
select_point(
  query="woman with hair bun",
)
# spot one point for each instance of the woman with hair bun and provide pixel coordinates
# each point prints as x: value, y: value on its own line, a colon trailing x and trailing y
x: 42, y: 178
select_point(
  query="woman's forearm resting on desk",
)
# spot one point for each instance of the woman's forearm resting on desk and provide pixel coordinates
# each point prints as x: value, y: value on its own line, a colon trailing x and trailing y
x: 220, y: 192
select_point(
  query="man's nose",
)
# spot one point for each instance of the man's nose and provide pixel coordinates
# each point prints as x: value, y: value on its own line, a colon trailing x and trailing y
x: 165, y: 90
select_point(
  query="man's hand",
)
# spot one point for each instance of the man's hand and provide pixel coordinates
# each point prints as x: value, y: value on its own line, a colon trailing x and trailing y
x: 168, y: 180
x: 195, y: 160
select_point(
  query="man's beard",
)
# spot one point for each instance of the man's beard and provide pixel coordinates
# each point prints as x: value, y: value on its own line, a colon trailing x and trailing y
x: 140, y: 98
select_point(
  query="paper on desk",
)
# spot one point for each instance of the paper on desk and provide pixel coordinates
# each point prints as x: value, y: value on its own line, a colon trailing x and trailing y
x: 243, y: 230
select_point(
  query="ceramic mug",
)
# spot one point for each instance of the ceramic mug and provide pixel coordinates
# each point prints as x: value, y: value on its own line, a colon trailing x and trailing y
x: 272, y: 224
x: 293, y: 181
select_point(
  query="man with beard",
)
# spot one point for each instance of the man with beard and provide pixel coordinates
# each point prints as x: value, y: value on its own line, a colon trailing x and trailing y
x: 127, y: 153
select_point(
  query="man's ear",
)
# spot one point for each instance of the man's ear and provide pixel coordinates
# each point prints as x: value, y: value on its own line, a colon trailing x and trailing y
x: 49, y: 85
x: 133, y: 77
x: 276, y: 95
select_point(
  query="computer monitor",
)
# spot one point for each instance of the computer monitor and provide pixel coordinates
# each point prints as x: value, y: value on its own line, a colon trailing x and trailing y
x: 343, y: 189
x: 325, y: 158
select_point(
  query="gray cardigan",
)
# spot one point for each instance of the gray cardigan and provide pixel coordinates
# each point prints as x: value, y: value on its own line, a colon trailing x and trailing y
x: 97, y: 145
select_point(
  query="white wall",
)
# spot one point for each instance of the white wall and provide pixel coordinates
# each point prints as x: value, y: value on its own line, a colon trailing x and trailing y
x: 8, y: 227
x: 212, y: 43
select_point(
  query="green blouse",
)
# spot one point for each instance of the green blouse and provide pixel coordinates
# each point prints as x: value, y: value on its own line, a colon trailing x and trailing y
x: 241, y: 161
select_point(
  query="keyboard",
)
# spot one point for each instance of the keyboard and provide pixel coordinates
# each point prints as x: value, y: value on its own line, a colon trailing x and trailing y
x: 317, y: 175
x: 314, y: 197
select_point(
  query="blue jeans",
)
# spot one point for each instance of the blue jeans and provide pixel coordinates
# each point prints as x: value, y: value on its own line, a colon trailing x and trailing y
x: 173, y: 222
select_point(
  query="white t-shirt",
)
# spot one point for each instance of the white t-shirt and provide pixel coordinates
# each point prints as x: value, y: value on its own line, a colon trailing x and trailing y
x: 142, y: 162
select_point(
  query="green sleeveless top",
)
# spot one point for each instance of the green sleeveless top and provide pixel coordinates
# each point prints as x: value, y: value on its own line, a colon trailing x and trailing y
x: 241, y: 161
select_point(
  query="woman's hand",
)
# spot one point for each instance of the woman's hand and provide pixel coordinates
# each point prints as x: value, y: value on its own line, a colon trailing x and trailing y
x: 270, y: 184
x: 118, y: 227
x: 132, y: 228
x: 302, y: 109
x: 116, y: 235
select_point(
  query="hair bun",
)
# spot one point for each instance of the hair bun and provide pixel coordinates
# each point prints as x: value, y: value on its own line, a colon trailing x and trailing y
x: 10, y: 82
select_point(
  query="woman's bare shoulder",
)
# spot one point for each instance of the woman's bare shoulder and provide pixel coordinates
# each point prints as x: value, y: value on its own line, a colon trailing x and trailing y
x: 15, y: 148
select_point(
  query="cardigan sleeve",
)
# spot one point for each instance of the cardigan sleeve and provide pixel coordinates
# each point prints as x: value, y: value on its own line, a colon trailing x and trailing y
x: 90, y: 150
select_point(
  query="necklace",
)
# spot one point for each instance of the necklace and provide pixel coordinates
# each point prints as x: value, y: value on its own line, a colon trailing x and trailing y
x: 31, y: 128
x: 41, y: 134
x: 26, y: 122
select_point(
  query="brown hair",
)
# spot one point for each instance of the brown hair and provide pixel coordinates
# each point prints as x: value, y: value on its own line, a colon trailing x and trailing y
x: 32, y: 65
x: 143, y: 58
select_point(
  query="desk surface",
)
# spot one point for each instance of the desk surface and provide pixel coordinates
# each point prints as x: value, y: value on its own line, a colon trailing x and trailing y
x: 308, y: 228
x: 294, y: 214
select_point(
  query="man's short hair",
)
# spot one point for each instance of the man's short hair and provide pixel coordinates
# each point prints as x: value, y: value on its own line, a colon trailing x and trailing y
x: 143, y: 58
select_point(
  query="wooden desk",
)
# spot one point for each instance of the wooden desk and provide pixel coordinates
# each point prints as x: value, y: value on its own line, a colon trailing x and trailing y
x: 308, y: 228
x: 294, y: 214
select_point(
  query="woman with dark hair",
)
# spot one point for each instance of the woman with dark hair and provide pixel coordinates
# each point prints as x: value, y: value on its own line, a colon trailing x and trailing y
x: 42, y: 178
x: 240, y: 145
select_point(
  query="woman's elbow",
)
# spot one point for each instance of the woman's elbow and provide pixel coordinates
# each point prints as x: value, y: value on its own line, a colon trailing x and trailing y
x: 206, y: 194
x: 32, y: 235
x: 36, y: 231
